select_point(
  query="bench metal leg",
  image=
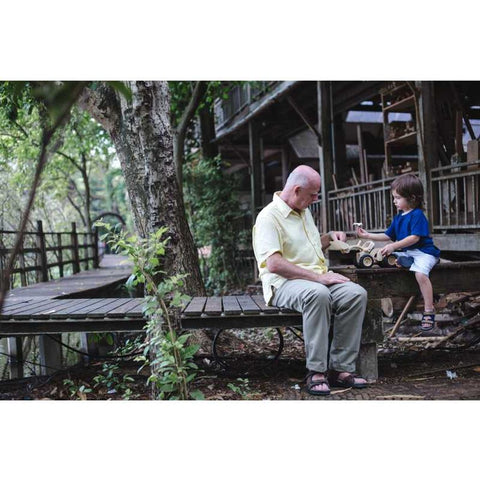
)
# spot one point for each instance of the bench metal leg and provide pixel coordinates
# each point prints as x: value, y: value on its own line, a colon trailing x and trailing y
x: 222, y: 359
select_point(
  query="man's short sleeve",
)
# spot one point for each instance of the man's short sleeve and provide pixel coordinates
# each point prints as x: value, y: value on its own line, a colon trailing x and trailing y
x: 266, y: 239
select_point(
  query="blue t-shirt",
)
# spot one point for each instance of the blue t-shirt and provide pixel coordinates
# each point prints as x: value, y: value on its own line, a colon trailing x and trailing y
x: 413, y: 223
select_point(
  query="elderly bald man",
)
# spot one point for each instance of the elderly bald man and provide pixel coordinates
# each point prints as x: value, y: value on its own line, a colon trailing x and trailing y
x: 289, y: 252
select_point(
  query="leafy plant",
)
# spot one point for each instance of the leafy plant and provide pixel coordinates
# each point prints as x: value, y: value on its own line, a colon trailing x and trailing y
x: 167, y: 354
x: 76, y: 390
x: 113, y: 382
x: 242, y: 388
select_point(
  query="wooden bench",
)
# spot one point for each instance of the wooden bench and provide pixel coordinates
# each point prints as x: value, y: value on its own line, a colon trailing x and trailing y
x: 250, y: 311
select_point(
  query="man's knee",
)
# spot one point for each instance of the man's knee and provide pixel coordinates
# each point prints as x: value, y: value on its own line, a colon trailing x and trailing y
x: 318, y: 295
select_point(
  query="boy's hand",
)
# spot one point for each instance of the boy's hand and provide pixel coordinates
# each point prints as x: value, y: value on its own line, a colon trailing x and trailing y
x: 342, y: 236
x: 361, y: 233
x: 388, y: 249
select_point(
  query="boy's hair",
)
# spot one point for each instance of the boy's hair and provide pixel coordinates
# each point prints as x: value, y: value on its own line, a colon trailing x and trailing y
x: 409, y: 187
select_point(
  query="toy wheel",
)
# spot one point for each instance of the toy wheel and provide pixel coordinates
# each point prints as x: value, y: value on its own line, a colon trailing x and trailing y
x: 389, y: 261
x: 365, y: 261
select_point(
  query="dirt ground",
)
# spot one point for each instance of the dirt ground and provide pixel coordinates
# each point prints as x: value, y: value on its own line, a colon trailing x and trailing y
x: 406, y: 375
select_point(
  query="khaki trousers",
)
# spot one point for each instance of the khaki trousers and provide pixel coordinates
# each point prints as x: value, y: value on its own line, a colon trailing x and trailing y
x: 344, y: 303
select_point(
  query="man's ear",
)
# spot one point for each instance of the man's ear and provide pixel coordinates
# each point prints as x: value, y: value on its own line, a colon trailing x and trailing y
x: 296, y: 189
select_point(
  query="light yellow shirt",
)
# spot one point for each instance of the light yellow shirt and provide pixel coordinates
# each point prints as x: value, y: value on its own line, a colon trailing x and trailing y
x: 279, y: 228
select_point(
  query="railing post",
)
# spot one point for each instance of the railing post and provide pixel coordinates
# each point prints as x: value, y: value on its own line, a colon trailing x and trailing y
x: 96, y: 262
x: 75, y: 255
x: 42, y: 252
x: 60, y: 254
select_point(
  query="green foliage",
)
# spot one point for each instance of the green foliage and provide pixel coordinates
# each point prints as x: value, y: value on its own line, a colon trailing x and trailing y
x: 212, y: 208
x: 168, y: 354
x: 85, y: 153
x: 76, y: 390
x: 113, y: 382
x: 242, y: 388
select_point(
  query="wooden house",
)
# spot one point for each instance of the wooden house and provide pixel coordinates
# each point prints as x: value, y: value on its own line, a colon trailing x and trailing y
x: 359, y: 135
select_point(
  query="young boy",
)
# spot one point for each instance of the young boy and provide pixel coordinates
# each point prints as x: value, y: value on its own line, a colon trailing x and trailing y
x: 409, y: 233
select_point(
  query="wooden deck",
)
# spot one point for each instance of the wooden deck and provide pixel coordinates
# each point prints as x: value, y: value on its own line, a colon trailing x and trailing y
x: 67, y: 304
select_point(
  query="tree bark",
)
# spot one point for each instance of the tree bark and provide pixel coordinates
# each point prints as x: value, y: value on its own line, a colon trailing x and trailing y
x: 141, y: 132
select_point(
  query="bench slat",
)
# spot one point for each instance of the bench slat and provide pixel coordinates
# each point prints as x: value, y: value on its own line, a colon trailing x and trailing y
x: 122, y: 309
x: 28, y: 309
x: 102, y: 309
x: 67, y: 306
x: 195, y: 307
x: 248, y: 305
x: 260, y: 301
x: 213, y: 306
x: 231, y: 306
x: 8, y: 310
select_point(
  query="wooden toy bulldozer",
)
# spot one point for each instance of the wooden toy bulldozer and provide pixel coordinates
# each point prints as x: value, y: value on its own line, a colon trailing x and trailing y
x: 366, y: 254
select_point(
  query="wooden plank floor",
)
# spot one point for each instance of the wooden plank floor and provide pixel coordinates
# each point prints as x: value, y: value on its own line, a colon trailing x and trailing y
x: 113, y: 269
x: 45, y: 307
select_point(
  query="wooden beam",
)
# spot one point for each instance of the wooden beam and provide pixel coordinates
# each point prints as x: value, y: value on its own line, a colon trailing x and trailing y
x: 305, y: 119
x: 426, y: 139
x: 255, y: 152
x: 15, y: 360
x: 326, y: 148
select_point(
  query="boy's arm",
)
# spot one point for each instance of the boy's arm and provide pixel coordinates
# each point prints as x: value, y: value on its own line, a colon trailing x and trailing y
x: 406, y: 242
x: 381, y: 237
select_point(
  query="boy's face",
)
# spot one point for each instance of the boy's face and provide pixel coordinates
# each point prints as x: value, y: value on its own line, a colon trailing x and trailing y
x: 400, y: 202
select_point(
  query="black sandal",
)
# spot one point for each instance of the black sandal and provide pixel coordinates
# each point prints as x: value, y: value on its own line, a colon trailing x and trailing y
x: 428, y: 321
x: 309, y: 382
x: 348, y: 381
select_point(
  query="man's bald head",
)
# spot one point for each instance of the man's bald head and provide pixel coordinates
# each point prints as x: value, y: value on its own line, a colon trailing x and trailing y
x: 301, y: 188
x: 302, y: 176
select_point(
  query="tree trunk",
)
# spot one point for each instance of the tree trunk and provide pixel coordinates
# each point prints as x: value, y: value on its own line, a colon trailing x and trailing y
x: 141, y: 132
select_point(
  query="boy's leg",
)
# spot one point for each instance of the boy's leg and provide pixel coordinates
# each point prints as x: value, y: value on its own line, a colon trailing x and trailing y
x: 427, y: 290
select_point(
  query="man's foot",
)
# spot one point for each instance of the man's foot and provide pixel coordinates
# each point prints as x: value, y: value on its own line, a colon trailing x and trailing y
x: 346, y: 379
x: 317, y: 383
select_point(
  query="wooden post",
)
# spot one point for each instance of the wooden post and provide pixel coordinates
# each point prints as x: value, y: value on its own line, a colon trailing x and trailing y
x: 255, y: 151
x: 23, y: 275
x: 50, y: 354
x: 15, y: 359
x: 426, y: 140
x: 284, y: 164
x: 42, y: 255
x: 363, y: 177
x: 60, y: 253
x: 74, y: 242
x: 96, y: 262
x: 86, y: 239
x: 325, y: 149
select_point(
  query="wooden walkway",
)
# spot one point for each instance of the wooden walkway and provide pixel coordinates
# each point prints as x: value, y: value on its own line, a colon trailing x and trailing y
x: 67, y: 305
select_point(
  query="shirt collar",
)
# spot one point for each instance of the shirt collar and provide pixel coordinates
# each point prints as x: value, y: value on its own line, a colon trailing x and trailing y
x: 282, y: 206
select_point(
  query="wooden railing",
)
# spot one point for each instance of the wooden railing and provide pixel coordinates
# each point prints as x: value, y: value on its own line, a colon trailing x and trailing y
x: 455, y: 196
x: 369, y: 203
x: 47, y: 255
x: 238, y: 98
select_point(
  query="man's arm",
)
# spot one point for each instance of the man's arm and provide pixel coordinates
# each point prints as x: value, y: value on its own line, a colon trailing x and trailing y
x: 326, y: 238
x: 278, y: 265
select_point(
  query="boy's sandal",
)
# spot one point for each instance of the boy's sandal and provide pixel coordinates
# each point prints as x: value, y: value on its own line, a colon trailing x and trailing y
x: 347, y: 381
x: 428, y: 321
x: 310, y: 383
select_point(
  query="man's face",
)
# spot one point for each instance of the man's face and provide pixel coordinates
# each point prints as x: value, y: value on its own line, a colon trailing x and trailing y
x: 305, y: 196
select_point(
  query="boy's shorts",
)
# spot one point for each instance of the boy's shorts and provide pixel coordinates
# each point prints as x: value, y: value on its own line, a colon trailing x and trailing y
x: 422, y: 262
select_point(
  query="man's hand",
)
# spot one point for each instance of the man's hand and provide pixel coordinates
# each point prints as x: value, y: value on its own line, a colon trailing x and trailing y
x: 330, y: 278
x: 388, y: 249
x: 342, y: 236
